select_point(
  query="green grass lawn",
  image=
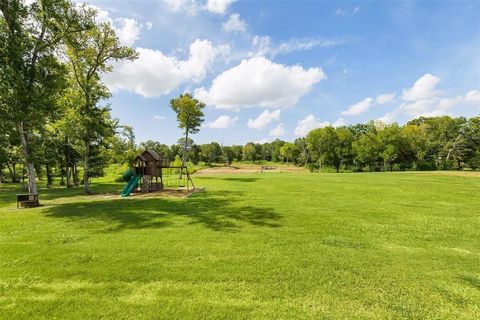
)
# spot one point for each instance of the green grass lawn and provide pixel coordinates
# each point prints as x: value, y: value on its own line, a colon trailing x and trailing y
x: 270, y: 245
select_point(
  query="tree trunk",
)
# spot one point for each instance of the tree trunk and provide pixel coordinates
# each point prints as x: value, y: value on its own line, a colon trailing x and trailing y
x: 49, y: 175
x: 32, y: 185
x: 67, y: 175
x: 67, y: 162
x: 75, y: 175
x: 86, y: 186
x: 184, y: 156
x: 62, y: 175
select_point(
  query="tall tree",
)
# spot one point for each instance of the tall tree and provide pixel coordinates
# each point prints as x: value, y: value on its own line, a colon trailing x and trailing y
x: 286, y: 151
x: 415, y: 137
x: 303, y: 152
x: 32, y: 75
x: 249, y: 152
x: 211, y: 152
x: 127, y: 132
x: 342, y: 151
x: 189, y: 116
x: 472, y: 142
x: 90, y: 53
x: 316, y: 142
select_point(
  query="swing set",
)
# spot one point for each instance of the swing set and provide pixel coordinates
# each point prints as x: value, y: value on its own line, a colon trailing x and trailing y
x: 153, y: 173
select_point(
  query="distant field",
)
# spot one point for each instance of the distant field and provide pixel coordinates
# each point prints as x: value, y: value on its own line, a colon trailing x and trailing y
x: 257, y: 245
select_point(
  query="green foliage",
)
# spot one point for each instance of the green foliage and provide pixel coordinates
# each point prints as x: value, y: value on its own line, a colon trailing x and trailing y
x: 287, y: 150
x: 211, y: 152
x: 189, y: 112
x: 90, y: 54
x: 249, y: 152
x: 127, y: 175
x: 189, y: 116
x: 31, y: 77
x: 177, y: 162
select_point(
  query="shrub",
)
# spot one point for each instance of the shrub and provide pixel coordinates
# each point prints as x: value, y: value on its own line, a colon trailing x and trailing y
x: 426, y: 166
x: 127, y: 175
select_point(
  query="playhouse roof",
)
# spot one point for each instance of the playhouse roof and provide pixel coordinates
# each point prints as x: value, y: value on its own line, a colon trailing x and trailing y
x: 153, y: 154
x: 149, y: 152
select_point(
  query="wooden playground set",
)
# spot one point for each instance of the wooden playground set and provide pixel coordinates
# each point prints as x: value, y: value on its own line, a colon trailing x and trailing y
x: 153, y: 173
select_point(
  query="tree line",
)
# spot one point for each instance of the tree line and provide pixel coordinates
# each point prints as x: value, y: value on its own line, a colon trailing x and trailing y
x: 53, y: 54
x: 436, y: 143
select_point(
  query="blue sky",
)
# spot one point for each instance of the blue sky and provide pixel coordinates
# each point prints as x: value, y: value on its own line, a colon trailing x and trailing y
x: 277, y: 69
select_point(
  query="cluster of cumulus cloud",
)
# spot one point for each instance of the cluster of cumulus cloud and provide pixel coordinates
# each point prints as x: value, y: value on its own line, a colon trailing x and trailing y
x: 253, y: 79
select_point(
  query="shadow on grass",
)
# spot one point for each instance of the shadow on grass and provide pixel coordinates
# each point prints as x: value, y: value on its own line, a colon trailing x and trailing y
x: 63, y: 192
x: 8, y: 192
x: 471, y: 280
x: 217, y: 211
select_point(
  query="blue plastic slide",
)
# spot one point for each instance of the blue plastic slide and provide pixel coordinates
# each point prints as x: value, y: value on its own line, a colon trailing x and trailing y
x: 132, y: 184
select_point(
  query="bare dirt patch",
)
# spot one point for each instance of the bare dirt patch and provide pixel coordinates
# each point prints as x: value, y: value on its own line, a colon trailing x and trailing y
x: 168, y: 192
x: 468, y: 174
x: 249, y: 168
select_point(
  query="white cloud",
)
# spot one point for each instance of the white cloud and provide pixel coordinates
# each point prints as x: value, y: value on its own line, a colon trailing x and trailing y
x: 385, y: 98
x: 341, y: 12
x: 262, y: 45
x: 262, y: 141
x: 259, y: 82
x: 148, y: 25
x: 359, y: 107
x: 222, y: 122
x: 264, y: 119
x: 235, y: 24
x: 390, y: 117
x: 471, y: 97
x: 423, y: 99
x: 278, y: 131
x: 218, y: 6
x: 128, y: 31
x: 308, y: 124
x: 339, y: 122
x: 159, y: 117
x: 174, y: 5
x: 424, y: 88
x: 306, y: 44
x: 419, y: 107
x: 364, y: 105
x: 154, y: 74
x: 189, y: 6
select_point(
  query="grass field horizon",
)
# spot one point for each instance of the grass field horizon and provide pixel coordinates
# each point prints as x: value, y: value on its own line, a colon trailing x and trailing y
x: 252, y: 245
